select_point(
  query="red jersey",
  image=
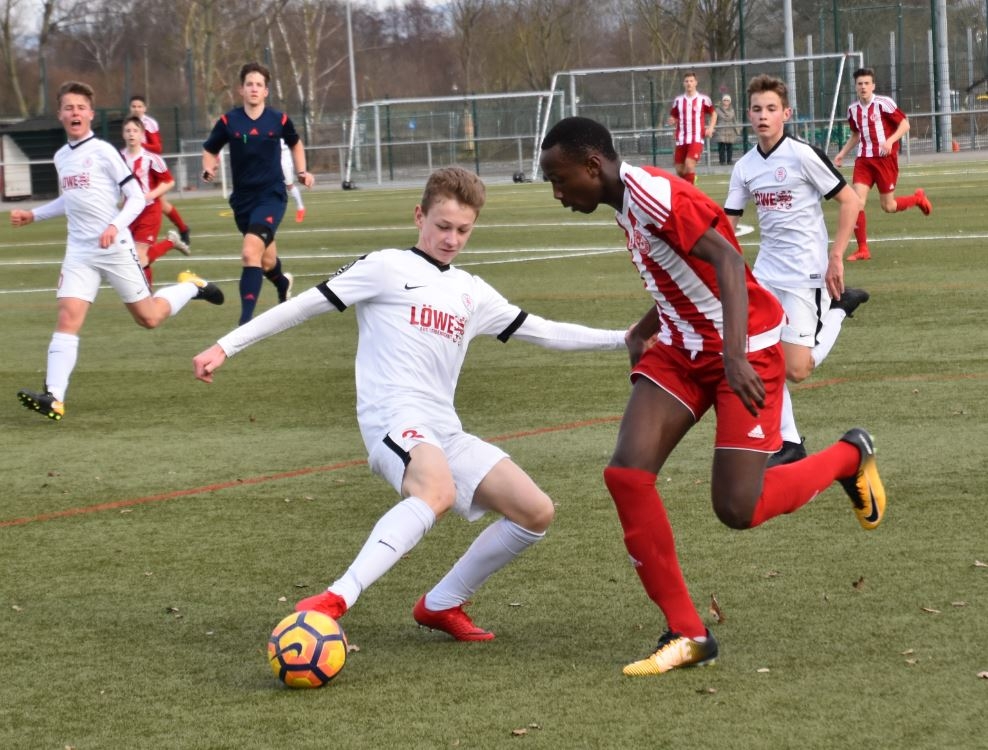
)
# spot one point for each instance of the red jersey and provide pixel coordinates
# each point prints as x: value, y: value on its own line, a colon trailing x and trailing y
x: 663, y: 218
x: 149, y: 169
x: 874, y: 123
x: 691, y: 112
x: 152, y: 134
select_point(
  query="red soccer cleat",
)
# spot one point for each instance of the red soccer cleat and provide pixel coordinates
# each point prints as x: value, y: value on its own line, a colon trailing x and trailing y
x: 327, y: 602
x: 861, y: 254
x: 454, y: 621
x: 923, y: 202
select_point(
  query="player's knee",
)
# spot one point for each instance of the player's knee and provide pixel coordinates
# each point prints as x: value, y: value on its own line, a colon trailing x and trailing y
x: 540, y: 514
x: 263, y: 232
x: 734, y: 515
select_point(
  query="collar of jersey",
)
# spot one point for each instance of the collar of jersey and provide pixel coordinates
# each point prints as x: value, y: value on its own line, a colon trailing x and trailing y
x: 433, y: 261
x: 76, y: 144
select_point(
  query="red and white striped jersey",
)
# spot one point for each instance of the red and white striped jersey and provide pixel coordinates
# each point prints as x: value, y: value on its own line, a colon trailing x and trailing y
x: 152, y: 134
x: 874, y: 122
x: 149, y: 169
x: 691, y: 113
x: 663, y: 217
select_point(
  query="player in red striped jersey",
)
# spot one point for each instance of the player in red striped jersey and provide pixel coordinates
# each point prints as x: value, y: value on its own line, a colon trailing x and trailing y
x: 688, y: 115
x: 155, y: 179
x: 877, y: 126
x: 152, y: 142
x: 711, y: 339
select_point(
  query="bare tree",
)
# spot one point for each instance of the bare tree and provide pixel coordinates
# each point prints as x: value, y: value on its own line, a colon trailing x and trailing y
x: 9, y: 26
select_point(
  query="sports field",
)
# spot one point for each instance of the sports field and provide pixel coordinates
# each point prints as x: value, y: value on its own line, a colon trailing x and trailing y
x: 151, y: 539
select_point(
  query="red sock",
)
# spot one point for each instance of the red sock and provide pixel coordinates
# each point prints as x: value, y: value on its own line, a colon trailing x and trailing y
x: 861, y: 229
x: 158, y: 249
x: 908, y: 201
x: 790, y: 486
x: 176, y: 218
x: 649, y: 540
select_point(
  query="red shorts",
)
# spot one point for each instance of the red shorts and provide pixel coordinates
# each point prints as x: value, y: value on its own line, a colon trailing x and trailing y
x: 700, y: 383
x: 687, y: 151
x: 882, y: 171
x: 146, y: 226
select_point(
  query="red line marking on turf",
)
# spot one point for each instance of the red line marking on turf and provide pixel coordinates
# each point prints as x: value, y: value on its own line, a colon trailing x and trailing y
x: 131, y: 502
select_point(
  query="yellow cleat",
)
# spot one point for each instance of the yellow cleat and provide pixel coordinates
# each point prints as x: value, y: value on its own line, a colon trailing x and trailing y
x: 207, y: 290
x: 673, y: 652
x: 45, y: 403
x: 865, y: 488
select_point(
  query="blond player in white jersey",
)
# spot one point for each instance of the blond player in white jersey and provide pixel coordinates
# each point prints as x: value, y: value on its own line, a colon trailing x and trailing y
x: 416, y: 314
x: 93, y: 178
x: 786, y: 179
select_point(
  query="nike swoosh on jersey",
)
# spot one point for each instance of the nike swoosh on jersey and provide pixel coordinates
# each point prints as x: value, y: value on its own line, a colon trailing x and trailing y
x: 415, y: 286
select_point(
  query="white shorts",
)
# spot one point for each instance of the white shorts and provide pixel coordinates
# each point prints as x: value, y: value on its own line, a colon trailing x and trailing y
x: 84, y: 269
x: 288, y: 166
x: 470, y: 459
x: 805, y: 309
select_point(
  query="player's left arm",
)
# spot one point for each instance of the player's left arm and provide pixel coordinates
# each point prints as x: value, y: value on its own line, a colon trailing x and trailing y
x: 731, y: 280
x: 553, y: 334
x: 133, y: 204
x: 301, y: 170
x: 849, y: 205
x: 713, y: 123
x: 900, y: 131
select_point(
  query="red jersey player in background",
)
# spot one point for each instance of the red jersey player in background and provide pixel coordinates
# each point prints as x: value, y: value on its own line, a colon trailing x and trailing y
x: 877, y: 126
x: 710, y: 338
x: 155, y: 179
x: 152, y: 142
x: 688, y: 114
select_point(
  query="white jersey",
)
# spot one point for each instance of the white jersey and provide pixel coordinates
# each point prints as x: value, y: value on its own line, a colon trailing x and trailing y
x: 416, y: 319
x: 92, y: 177
x: 786, y: 186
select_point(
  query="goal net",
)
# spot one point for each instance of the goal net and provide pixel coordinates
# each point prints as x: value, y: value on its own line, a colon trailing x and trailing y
x: 634, y: 102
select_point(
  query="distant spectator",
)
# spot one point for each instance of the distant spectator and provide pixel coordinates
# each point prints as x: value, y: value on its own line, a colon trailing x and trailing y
x: 728, y: 130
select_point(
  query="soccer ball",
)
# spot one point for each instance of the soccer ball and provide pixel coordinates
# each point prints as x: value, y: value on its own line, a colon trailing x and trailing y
x: 307, y: 649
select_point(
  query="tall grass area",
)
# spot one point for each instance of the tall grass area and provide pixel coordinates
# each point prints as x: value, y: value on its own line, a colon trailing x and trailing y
x: 151, y: 539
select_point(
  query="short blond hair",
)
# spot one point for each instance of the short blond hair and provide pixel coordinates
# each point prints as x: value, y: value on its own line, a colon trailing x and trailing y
x: 76, y: 87
x: 457, y: 183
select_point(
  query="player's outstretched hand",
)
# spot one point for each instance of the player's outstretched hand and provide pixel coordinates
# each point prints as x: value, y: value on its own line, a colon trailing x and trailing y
x: 207, y: 362
x: 21, y: 218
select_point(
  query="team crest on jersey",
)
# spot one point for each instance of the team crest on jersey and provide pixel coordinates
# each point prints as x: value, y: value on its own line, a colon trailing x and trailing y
x: 873, y: 116
x: 638, y: 241
x: 468, y: 302
x: 780, y: 174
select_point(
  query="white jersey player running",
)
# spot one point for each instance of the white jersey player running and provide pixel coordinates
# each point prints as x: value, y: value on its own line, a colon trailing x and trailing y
x: 93, y: 178
x: 786, y: 179
x: 416, y: 316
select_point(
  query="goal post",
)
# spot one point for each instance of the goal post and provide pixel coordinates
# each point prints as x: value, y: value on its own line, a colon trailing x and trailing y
x: 399, y: 139
x: 634, y: 101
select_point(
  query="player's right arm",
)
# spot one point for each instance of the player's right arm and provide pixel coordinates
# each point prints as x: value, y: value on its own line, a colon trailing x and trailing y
x: 275, y: 320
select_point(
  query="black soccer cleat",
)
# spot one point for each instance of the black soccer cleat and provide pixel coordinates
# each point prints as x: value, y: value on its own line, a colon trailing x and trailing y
x: 864, y: 487
x: 787, y: 454
x: 207, y: 290
x: 850, y: 300
x: 186, y: 237
x: 44, y: 403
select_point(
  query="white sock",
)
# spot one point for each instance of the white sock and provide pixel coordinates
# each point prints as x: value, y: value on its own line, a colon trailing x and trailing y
x: 63, y: 351
x: 178, y: 295
x: 296, y: 196
x: 395, y: 533
x: 833, y: 319
x: 495, y: 547
x: 788, y: 424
